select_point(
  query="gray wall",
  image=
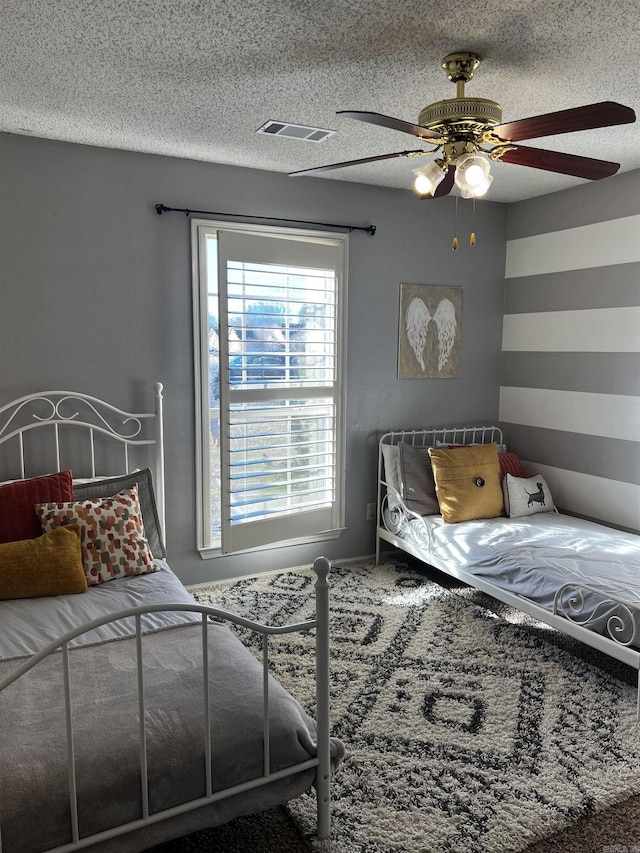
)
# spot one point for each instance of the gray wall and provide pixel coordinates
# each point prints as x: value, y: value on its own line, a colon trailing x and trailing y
x: 571, y: 365
x: 96, y: 297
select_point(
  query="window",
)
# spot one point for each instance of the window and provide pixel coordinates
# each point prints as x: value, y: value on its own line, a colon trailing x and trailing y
x: 269, y: 333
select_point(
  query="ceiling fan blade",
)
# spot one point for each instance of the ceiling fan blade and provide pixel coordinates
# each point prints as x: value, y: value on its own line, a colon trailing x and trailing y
x: 565, y: 164
x: 604, y: 114
x: 390, y: 122
x: 445, y: 186
x: 355, y: 162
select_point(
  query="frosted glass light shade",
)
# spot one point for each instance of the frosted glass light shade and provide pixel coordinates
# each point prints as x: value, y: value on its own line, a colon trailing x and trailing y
x: 429, y: 177
x: 472, y: 175
x: 479, y: 190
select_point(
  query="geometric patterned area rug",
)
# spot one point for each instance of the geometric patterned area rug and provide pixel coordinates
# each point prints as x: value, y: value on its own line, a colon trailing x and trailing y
x: 463, y: 732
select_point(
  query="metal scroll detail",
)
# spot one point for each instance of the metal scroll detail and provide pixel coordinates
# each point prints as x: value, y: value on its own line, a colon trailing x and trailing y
x: 401, y: 521
x: 392, y: 516
x: 54, y: 410
x: 122, y: 431
x: 587, y: 607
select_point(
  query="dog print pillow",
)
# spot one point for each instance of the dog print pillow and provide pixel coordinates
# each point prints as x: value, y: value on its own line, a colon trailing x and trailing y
x: 526, y: 496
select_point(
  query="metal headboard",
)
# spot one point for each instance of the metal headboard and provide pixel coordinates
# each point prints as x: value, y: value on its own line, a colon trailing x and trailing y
x: 58, y: 413
x: 445, y: 435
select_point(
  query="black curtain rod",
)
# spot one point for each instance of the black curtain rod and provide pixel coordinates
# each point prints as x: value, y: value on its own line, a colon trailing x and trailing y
x: 161, y: 208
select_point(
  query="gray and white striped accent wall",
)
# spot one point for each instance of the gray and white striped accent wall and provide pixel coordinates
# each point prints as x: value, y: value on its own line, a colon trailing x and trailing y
x: 570, y: 386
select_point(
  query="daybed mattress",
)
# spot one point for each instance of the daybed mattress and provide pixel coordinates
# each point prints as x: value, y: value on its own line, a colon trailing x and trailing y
x: 533, y: 556
x: 34, y: 788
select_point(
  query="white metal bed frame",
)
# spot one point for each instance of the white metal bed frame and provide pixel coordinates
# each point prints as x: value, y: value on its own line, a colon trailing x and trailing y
x: 130, y: 434
x: 568, y: 614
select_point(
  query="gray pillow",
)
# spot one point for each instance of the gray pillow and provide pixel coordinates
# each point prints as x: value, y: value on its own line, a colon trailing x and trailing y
x: 417, y: 486
x: 106, y: 488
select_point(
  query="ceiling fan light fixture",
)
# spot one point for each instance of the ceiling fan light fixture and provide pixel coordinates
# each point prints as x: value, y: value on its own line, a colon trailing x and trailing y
x: 429, y: 177
x: 479, y: 190
x: 472, y: 175
x: 464, y: 130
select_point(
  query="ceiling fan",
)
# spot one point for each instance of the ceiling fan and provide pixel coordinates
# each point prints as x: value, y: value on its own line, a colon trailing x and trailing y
x: 468, y: 133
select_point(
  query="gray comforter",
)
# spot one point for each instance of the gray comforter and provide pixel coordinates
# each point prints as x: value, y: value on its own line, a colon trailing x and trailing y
x: 34, y: 787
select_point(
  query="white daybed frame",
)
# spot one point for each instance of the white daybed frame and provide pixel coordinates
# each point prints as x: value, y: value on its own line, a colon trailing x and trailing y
x: 59, y: 411
x: 569, y: 599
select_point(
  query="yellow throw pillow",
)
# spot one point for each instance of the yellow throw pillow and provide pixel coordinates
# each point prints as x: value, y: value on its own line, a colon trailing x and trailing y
x: 48, y: 565
x: 467, y: 482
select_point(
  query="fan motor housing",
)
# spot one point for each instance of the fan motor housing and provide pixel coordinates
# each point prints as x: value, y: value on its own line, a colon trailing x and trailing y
x: 464, y: 115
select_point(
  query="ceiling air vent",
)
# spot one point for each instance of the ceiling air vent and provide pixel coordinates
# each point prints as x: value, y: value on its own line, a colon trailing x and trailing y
x: 295, y: 131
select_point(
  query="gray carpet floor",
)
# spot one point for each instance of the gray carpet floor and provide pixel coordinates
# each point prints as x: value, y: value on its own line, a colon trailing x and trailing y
x: 615, y: 830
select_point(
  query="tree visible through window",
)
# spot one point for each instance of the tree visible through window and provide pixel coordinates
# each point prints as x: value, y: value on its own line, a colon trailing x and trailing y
x: 271, y: 449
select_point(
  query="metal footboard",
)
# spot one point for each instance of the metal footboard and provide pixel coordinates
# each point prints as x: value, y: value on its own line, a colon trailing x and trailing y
x: 614, y: 618
x: 588, y: 607
x: 322, y: 762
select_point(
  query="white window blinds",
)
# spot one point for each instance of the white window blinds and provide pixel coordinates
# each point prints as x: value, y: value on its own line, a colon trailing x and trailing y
x: 280, y: 366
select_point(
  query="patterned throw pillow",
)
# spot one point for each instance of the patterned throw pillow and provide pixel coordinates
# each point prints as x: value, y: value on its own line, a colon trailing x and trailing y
x: 92, y: 489
x: 526, y: 496
x: 112, y: 534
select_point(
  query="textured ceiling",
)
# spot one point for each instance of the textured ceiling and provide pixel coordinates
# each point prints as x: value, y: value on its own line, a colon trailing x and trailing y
x: 197, y: 78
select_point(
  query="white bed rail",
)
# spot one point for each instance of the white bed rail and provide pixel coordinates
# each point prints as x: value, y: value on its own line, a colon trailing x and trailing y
x: 322, y: 762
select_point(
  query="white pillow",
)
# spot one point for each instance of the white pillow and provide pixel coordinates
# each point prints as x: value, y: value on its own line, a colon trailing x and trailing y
x: 526, y: 496
x: 391, y: 476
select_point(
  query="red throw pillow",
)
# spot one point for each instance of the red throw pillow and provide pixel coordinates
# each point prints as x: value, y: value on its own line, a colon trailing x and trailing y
x: 510, y: 464
x: 18, y: 519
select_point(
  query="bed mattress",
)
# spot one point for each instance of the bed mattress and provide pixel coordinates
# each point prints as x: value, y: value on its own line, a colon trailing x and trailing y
x: 534, y: 556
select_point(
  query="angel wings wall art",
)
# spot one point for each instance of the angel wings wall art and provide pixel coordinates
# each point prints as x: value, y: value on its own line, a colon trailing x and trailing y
x: 430, y: 335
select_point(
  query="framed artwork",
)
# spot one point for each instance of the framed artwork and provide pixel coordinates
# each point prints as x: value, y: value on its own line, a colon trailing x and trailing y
x: 430, y: 333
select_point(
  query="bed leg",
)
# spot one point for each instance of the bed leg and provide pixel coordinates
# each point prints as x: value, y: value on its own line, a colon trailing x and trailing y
x: 323, y: 779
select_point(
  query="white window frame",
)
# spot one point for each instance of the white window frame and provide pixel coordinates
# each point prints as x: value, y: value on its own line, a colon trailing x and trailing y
x: 200, y: 228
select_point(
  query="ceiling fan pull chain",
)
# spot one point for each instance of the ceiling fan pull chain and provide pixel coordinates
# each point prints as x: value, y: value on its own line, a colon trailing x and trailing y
x: 454, y: 243
x: 472, y: 238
